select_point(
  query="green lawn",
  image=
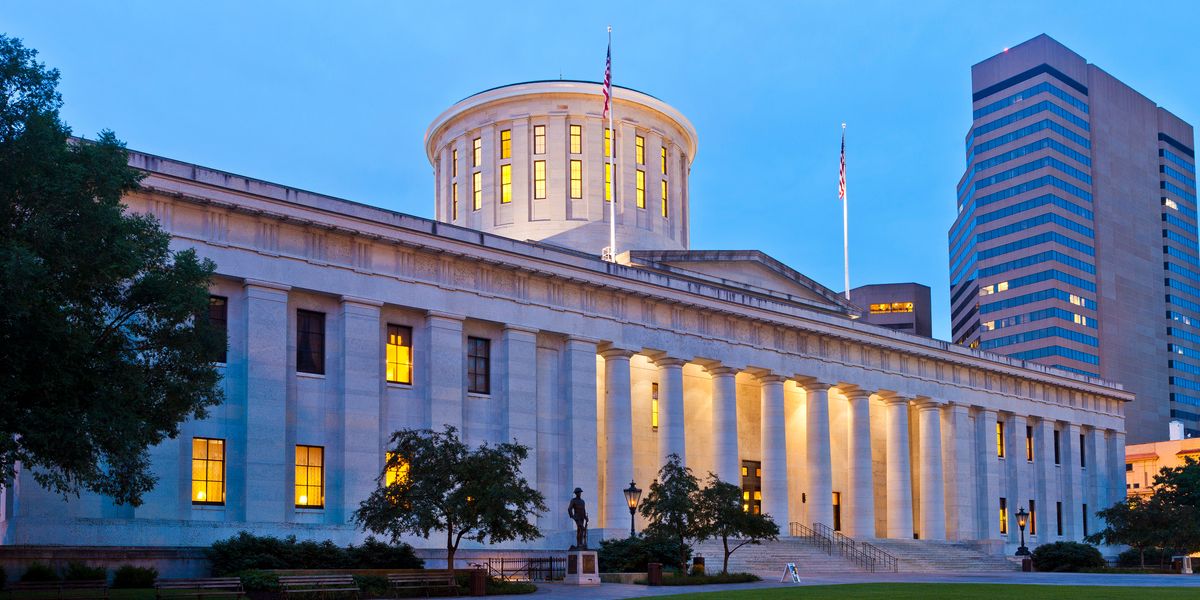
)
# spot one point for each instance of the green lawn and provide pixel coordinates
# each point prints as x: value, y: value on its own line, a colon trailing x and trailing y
x: 936, y: 591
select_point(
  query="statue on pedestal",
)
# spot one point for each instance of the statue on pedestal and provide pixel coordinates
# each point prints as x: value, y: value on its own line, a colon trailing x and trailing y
x: 577, y: 510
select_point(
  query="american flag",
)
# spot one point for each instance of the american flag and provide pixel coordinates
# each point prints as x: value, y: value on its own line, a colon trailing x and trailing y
x: 607, y: 78
x: 842, y: 170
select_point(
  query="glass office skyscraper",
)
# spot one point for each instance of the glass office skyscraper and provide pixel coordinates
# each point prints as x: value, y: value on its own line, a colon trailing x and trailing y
x: 1075, y: 244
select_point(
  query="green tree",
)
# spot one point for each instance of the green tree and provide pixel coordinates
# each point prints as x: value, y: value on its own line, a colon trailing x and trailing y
x: 103, y: 332
x: 722, y: 516
x: 1137, y: 522
x: 671, y: 507
x: 433, y: 482
x: 1177, y: 494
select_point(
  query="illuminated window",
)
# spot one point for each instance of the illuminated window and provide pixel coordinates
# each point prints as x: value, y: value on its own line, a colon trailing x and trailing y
x: 399, y: 354
x: 454, y: 163
x: 988, y: 325
x: 1082, y: 320
x: 477, y: 191
x: 506, y: 144
x: 639, y: 149
x: 218, y: 319
x: 1000, y: 439
x: 310, y: 476
x: 664, y: 160
x: 891, y: 307
x: 454, y: 201
x: 1076, y: 300
x: 1032, y: 518
x: 539, y: 179
x: 577, y: 179
x: 1002, y: 286
x: 208, y: 471
x: 664, y: 198
x: 1169, y: 203
x: 837, y: 511
x: 641, y: 188
x: 987, y: 290
x: 310, y: 342
x: 479, y: 380
x: 1029, y: 443
x: 476, y: 152
x: 745, y: 471
x: 654, y: 406
x: 608, y: 134
x: 505, y: 184
x: 608, y: 191
x: 539, y: 139
x: 396, y: 471
x: 1003, y: 516
x: 576, y: 139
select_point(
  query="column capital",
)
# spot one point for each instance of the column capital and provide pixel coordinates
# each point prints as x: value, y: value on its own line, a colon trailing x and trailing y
x: 437, y: 315
x: 769, y: 377
x: 891, y: 399
x: 811, y: 384
x: 926, y: 403
x: 519, y: 330
x: 669, y: 361
x: 853, y: 391
x: 719, y: 370
x: 610, y: 352
x: 270, y: 285
x: 360, y: 301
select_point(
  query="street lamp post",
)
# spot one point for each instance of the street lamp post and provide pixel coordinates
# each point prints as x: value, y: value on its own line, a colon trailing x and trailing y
x: 1022, y: 519
x: 632, y: 496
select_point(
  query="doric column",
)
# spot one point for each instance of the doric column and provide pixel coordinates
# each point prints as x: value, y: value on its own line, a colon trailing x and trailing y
x: 1045, y: 481
x: 933, y: 492
x: 961, y: 507
x: 1115, y: 471
x: 988, y: 468
x: 447, y: 369
x: 361, y: 371
x: 727, y: 463
x: 899, y: 473
x: 774, y: 450
x: 819, y: 469
x: 1018, y: 492
x: 267, y: 375
x: 1072, y: 482
x: 670, y: 409
x: 860, y: 480
x: 519, y: 378
x: 579, y: 373
x: 618, y: 435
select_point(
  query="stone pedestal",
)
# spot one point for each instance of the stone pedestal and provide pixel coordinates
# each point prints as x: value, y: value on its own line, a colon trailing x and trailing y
x: 583, y: 568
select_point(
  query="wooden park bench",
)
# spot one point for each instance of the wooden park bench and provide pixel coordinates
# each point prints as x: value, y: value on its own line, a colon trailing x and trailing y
x: 427, y: 581
x: 210, y: 587
x: 317, y: 584
x: 74, y: 590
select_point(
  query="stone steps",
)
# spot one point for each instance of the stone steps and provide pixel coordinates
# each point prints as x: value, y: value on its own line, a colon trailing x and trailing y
x: 914, y: 556
x: 935, y: 556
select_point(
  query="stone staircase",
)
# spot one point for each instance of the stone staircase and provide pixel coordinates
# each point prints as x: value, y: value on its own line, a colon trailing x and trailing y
x: 926, y: 556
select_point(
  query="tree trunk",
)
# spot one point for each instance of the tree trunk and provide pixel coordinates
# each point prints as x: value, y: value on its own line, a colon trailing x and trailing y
x: 725, y: 565
x: 1142, y: 554
x: 450, y: 548
x: 683, y: 566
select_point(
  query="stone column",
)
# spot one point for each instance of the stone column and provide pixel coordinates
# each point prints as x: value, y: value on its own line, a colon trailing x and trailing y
x: 361, y: 376
x: 268, y: 370
x: 774, y: 451
x: 618, y: 436
x: 899, y: 473
x: 988, y: 468
x: 1018, y: 488
x: 957, y: 461
x: 1046, y: 489
x: 1115, y: 463
x: 447, y: 369
x: 819, y: 468
x: 1072, y: 482
x: 670, y: 410
x: 579, y: 374
x: 933, y: 493
x: 861, y: 481
x: 727, y: 463
x: 519, y: 379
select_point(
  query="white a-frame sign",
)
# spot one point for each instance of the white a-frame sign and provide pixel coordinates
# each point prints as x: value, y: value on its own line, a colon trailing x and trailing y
x: 790, y: 572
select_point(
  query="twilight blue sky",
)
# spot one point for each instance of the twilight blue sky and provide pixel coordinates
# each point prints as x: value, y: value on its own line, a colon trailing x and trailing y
x: 334, y: 97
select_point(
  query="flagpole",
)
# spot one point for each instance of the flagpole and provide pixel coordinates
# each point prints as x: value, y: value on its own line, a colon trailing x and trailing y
x: 612, y: 149
x: 845, y: 219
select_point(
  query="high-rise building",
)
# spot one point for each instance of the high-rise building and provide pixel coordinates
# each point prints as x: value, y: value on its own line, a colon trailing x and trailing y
x: 1075, y: 243
x: 900, y: 306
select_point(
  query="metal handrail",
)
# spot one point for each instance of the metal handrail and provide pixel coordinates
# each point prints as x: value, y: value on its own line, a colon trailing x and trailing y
x: 863, y: 554
x: 802, y: 531
x: 885, y: 560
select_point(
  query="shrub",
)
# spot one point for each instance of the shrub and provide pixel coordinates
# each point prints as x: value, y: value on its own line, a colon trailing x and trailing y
x: 129, y: 576
x: 372, y: 586
x: 1155, y: 557
x: 245, y: 551
x: 495, y: 586
x: 374, y: 554
x: 259, y: 581
x: 3, y: 578
x: 39, y: 572
x: 1066, y: 556
x: 77, y: 571
x: 630, y: 555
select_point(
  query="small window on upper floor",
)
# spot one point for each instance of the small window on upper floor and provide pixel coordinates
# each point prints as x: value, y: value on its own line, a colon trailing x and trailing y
x: 539, y: 180
x: 1000, y: 439
x: 479, y: 358
x: 399, y: 354
x: 505, y: 184
x: 539, y: 139
x: 218, y: 318
x: 310, y: 342
x: 576, y: 139
x: 639, y: 149
x: 506, y: 144
x: 476, y: 152
x: 664, y: 160
x: 454, y: 163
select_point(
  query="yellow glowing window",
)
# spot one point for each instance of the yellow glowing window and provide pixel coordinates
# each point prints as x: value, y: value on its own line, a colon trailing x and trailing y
x: 1000, y: 439
x: 758, y: 495
x: 1076, y: 300
x: 745, y: 495
x: 454, y: 163
x: 454, y: 201
x: 664, y: 160
x: 744, y: 471
x: 758, y: 472
x: 1029, y: 443
x: 208, y: 471
x: 1002, y: 286
x: 639, y: 149
x: 1003, y: 516
x: 654, y: 406
x: 641, y: 188
x: 310, y: 476
x: 988, y: 325
x: 608, y: 191
x: 1169, y: 203
x: 505, y: 184
x: 476, y: 152
x: 577, y: 179
x: 664, y: 198
x: 576, y: 139
x: 396, y: 471
x: 506, y: 143
x: 987, y: 290
x: 399, y: 354
x: 539, y: 179
x: 539, y: 139
x: 891, y: 307
x: 608, y: 133
x: 477, y: 191
x: 1082, y: 320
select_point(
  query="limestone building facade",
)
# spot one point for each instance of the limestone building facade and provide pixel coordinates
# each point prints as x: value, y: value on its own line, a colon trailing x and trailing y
x: 347, y: 322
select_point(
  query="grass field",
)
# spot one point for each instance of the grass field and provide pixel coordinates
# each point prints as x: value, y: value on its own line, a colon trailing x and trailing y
x: 938, y: 591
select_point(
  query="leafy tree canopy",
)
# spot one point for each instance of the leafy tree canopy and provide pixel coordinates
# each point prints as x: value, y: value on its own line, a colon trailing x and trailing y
x: 723, y: 516
x: 671, y: 507
x: 102, y: 331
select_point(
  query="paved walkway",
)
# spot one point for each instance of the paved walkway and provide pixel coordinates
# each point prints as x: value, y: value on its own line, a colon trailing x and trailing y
x: 614, y: 591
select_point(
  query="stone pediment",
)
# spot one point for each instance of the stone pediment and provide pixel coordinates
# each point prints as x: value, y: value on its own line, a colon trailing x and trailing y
x: 750, y: 270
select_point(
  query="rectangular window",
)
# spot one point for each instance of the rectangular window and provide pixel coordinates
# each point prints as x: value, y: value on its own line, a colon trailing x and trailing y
x: 399, y: 354
x: 577, y: 179
x: 476, y: 152
x: 1057, y: 448
x: 505, y: 184
x: 454, y: 201
x: 664, y: 198
x: 454, y: 163
x: 1082, y: 452
x: 208, y: 471
x: 506, y: 143
x: 310, y: 476
x: 641, y: 188
x: 1058, y: 516
x: 639, y: 149
x: 608, y: 135
x: 1029, y: 443
x: 837, y: 511
x: 477, y: 191
x: 1085, y: 527
x: 1004, y: 516
x: 608, y: 191
x: 1000, y: 439
x: 576, y: 139
x: 218, y: 319
x: 654, y: 406
x: 396, y: 470
x: 539, y: 139
x: 479, y: 380
x: 664, y: 160
x: 539, y: 179
x: 1032, y: 517
x: 310, y: 342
